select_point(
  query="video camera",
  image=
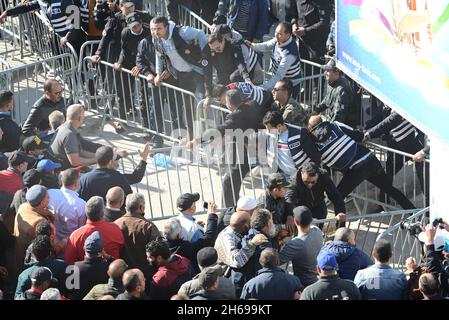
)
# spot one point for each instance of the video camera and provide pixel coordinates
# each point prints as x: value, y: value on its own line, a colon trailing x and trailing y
x: 103, y: 10
x: 414, y: 228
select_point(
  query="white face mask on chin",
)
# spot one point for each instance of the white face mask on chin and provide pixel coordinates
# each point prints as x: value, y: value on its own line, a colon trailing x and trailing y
x: 136, y: 34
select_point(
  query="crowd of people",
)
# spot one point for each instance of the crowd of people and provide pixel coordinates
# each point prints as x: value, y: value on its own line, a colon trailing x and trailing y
x: 72, y: 228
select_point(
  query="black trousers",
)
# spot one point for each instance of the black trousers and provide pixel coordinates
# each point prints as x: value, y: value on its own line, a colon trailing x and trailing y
x: 395, y: 162
x: 371, y: 170
x: 232, y: 181
x: 155, y: 99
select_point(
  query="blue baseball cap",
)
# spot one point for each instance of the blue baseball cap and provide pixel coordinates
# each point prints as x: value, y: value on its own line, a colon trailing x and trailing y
x: 48, y: 165
x: 94, y: 243
x: 326, y: 261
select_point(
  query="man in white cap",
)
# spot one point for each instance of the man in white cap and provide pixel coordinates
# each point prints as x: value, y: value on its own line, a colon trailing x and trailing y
x: 245, y: 203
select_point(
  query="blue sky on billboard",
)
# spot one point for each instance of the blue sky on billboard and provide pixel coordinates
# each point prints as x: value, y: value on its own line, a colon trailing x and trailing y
x: 399, y: 50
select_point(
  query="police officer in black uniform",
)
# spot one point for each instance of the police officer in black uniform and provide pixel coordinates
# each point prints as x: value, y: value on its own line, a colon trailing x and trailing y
x: 340, y: 150
x: 311, y: 25
x: 226, y: 58
x: 115, y: 24
x: 403, y: 136
x: 130, y: 38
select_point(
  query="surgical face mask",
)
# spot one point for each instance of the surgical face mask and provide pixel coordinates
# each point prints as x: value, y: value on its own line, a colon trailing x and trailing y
x: 136, y: 34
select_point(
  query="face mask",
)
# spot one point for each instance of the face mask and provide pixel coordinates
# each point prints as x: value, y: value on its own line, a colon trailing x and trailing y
x: 136, y: 34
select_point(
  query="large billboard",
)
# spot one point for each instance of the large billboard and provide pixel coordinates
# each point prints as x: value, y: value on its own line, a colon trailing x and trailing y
x: 399, y: 50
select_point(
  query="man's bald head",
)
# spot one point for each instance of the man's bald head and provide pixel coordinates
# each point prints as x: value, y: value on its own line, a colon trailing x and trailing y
x: 115, y: 197
x: 240, y: 221
x: 132, y: 279
x: 428, y: 285
x: 314, y: 121
x: 117, y: 268
x: 345, y: 235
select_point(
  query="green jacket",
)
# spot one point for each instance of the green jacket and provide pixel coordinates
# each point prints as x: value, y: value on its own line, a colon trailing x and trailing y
x: 114, y: 287
x: 292, y: 112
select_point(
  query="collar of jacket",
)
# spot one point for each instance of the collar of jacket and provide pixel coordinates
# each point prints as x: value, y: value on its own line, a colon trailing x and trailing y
x: 270, y: 270
x: 96, y: 223
x: 47, y: 214
x: 329, y: 278
x: 116, y: 284
x: 269, y: 196
x: 286, y: 43
x: 381, y: 266
x: 93, y: 260
x: 134, y: 215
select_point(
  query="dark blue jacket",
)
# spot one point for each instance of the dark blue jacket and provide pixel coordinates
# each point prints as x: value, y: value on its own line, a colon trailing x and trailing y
x: 271, y: 284
x: 259, y: 21
x: 350, y: 259
x: 11, y: 133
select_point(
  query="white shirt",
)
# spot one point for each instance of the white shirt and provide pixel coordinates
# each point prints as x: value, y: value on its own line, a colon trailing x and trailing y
x: 69, y: 209
x: 285, y: 160
x: 191, y: 230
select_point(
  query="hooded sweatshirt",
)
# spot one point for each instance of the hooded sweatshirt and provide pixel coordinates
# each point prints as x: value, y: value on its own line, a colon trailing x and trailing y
x: 169, y: 278
x: 350, y: 259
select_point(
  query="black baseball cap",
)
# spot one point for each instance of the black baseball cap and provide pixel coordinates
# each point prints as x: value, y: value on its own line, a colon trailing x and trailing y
x: 18, y: 157
x: 31, y: 177
x: 133, y: 19
x: 277, y: 180
x: 40, y: 275
x: 330, y: 65
x: 33, y: 143
x: 207, y: 257
x: 186, y: 200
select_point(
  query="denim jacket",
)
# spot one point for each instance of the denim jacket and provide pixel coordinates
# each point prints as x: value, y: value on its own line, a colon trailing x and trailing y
x: 381, y: 282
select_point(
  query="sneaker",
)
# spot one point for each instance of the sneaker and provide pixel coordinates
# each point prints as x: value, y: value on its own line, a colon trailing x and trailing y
x: 119, y: 128
x: 148, y: 137
x: 158, y: 142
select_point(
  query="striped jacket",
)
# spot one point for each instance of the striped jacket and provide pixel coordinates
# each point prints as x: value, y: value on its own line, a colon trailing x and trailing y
x: 399, y: 129
x: 249, y: 92
x: 64, y: 15
x: 300, y: 144
x: 337, y: 144
x: 285, y: 61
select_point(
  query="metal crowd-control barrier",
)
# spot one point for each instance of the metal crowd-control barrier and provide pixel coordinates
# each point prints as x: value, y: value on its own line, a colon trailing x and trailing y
x: 167, y: 111
x: 407, y: 179
x: 155, y: 7
x: 365, y: 194
x: 26, y: 82
x: 404, y: 243
x: 12, y: 30
x: 177, y: 169
x: 368, y: 228
x: 4, y: 65
x: 189, y: 18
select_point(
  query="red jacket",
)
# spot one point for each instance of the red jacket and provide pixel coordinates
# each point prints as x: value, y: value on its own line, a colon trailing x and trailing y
x: 10, y: 181
x: 112, y: 238
x: 169, y: 278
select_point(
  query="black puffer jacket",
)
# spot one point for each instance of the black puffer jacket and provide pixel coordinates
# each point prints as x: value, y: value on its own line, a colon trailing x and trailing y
x: 300, y: 195
x: 38, y: 116
x: 279, y: 208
